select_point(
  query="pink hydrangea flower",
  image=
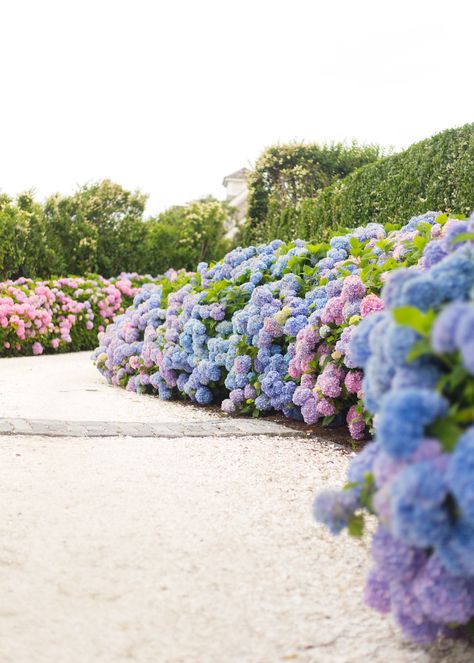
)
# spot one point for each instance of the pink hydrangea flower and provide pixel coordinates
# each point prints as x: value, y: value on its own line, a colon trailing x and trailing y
x: 356, y: 423
x: 370, y: 304
x: 332, y: 312
x: 353, y: 381
x: 325, y: 408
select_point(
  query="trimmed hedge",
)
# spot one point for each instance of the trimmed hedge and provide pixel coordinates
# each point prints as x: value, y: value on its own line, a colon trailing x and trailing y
x: 436, y: 173
x: 285, y: 174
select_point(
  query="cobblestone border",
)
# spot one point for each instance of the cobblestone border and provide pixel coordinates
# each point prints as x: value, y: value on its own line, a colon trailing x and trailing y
x: 214, y: 428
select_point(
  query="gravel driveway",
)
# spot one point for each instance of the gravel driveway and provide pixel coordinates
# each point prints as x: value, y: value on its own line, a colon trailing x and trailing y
x: 172, y: 550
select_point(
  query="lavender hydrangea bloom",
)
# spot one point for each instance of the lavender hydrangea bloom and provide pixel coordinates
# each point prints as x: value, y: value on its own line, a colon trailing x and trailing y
x: 423, y: 375
x: 453, y: 228
x: 353, y: 289
x: 309, y: 410
x: 391, y: 292
x: 464, y: 332
x: 334, y: 288
x: 433, y: 252
x: 443, y: 597
x: 301, y: 395
x: 363, y: 463
x: 294, y: 325
x: 377, y: 591
x: 398, y: 560
x: 250, y: 393
x: 228, y: 406
x: 409, y: 615
x: 467, y: 356
x: 263, y: 403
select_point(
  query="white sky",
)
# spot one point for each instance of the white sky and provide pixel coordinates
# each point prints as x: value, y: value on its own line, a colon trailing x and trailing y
x: 171, y: 96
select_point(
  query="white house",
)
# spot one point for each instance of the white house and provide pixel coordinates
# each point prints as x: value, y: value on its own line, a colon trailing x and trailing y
x: 236, y: 187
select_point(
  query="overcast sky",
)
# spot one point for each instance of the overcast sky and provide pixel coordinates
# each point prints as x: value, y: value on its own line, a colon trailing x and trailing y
x: 171, y: 96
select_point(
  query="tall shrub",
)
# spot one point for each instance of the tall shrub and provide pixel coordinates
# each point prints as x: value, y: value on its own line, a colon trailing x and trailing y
x: 185, y: 235
x: 91, y: 228
x: 286, y: 174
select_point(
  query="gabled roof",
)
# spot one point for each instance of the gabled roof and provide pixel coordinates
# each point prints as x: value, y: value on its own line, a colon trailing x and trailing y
x: 238, y: 175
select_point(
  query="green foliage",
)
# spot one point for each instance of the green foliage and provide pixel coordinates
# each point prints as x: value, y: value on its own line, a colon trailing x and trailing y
x: 24, y: 247
x: 100, y: 228
x: 411, y: 316
x: 91, y: 227
x: 436, y: 173
x: 183, y: 236
x: 286, y: 174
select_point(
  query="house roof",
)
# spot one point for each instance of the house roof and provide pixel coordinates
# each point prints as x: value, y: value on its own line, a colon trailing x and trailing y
x: 238, y: 175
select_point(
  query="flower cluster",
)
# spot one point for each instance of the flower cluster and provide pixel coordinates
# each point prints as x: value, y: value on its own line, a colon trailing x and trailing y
x: 417, y: 476
x: 268, y: 327
x: 60, y: 314
x: 295, y: 330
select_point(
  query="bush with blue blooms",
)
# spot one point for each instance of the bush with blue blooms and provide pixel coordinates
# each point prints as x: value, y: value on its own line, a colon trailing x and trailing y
x: 268, y: 327
x: 377, y: 328
x: 417, y: 476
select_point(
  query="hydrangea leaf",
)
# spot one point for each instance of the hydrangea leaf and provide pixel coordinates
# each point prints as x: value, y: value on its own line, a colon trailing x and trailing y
x: 410, y: 316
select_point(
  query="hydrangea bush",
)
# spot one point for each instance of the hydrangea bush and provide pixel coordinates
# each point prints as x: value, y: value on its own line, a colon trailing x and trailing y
x: 417, y: 476
x: 375, y: 328
x: 61, y: 314
x: 268, y: 327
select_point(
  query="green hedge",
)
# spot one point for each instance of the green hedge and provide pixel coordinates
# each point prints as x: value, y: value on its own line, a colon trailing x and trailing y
x: 436, y: 173
x: 285, y: 174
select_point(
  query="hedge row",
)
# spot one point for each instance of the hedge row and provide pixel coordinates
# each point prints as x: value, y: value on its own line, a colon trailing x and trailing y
x: 267, y: 328
x: 436, y: 173
x: 285, y: 174
x: 417, y: 476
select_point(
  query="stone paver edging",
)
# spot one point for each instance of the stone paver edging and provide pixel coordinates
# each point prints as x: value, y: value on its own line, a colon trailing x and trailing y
x: 166, y: 429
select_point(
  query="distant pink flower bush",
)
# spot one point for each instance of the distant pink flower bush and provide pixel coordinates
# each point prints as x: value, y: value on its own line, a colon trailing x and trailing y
x: 61, y: 314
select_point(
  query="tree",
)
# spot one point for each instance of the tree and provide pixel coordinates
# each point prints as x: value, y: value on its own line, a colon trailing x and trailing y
x: 185, y: 235
x: 24, y: 249
x: 91, y: 226
x: 286, y: 174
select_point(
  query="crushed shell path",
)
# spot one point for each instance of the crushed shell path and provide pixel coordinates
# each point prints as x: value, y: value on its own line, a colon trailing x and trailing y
x: 194, y: 544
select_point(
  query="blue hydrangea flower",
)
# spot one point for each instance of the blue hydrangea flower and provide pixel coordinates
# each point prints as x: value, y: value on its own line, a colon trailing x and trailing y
x: 443, y: 334
x: 457, y: 551
x: 403, y: 416
x: 334, y: 508
x: 398, y: 341
x: 460, y: 474
x: 362, y: 463
x: 359, y: 351
x: 420, y: 516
